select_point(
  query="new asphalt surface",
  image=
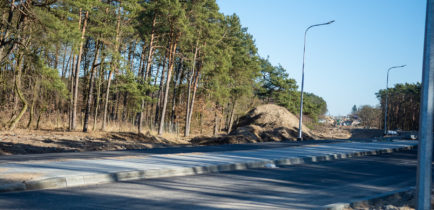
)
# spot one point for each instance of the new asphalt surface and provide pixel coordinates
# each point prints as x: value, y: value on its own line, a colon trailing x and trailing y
x: 73, y: 172
x: 304, y: 186
x: 163, y: 150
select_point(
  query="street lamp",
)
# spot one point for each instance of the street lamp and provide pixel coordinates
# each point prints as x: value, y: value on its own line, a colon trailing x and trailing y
x: 387, y: 96
x: 300, y: 132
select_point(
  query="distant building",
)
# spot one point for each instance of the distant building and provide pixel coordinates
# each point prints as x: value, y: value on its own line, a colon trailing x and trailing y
x: 349, y: 120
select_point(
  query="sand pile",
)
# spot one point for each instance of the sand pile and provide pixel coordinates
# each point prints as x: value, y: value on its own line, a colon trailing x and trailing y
x: 267, y: 122
x: 270, y: 122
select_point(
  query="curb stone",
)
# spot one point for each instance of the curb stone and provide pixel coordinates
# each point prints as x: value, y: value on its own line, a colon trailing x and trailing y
x: 92, y: 179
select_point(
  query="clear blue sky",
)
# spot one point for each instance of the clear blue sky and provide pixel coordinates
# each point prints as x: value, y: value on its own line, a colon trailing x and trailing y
x: 346, y: 62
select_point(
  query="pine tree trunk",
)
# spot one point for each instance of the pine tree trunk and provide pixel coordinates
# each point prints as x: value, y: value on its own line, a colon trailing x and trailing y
x: 201, y: 123
x: 65, y: 64
x: 145, y: 75
x: 179, y: 94
x: 216, y: 123
x: 90, y: 90
x: 189, y: 100
x: 160, y: 92
x: 151, y: 47
x: 113, y: 68
x: 231, y: 118
x: 77, y: 73
x: 56, y: 57
x: 152, y: 95
x: 166, y: 94
x: 118, y: 98
x: 221, y: 121
x: 107, y: 93
x: 98, y: 92
x: 176, y: 85
x: 193, y: 98
x: 71, y: 84
x: 142, y: 105
x: 125, y: 107
x: 131, y: 50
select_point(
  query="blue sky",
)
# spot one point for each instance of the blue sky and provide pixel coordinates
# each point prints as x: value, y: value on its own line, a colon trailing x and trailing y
x: 347, y: 61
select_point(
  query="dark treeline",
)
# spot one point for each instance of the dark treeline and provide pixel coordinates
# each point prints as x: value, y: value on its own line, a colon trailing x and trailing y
x: 161, y: 64
x: 403, y: 106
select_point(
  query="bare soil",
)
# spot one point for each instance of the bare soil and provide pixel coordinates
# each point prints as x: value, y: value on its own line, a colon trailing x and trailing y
x: 330, y: 132
x: 270, y: 122
x: 46, y: 141
x: 401, y: 201
x: 49, y: 141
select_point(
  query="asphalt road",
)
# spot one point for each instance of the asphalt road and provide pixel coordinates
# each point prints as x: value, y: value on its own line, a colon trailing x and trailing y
x: 295, y: 187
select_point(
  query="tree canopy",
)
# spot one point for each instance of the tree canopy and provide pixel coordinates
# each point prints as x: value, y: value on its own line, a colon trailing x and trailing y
x: 403, y: 106
x: 163, y: 64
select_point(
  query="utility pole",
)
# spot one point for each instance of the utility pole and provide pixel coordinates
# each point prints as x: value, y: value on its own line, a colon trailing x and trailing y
x: 424, y: 155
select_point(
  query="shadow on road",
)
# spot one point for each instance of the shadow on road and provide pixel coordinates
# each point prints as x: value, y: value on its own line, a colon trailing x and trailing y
x: 300, y: 186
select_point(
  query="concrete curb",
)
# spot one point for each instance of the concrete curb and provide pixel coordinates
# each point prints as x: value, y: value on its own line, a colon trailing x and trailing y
x: 91, y: 179
x: 365, y: 202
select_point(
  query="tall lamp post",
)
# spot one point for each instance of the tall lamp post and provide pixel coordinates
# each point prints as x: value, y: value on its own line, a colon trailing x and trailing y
x: 300, y: 132
x: 387, y: 96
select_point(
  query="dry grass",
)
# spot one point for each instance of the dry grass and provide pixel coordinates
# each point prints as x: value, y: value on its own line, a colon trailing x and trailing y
x: 53, y: 136
x: 330, y: 132
x: 23, y: 141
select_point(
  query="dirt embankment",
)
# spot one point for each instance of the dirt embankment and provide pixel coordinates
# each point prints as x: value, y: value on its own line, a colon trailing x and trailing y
x: 47, y: 141
x: 271, y: 122
x: 267, y: 122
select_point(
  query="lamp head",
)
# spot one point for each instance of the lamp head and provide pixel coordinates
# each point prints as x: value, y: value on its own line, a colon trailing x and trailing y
x: 330, y: 22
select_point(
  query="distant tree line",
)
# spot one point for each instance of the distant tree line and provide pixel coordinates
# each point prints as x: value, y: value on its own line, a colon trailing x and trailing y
x: 370, y: 116
x: 403, y: 106
x: 149, y: 63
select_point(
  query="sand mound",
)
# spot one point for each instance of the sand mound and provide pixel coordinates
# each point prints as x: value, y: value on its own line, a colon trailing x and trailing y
x: 269, y: 116
x: 270, y: 122
x: 267, y: 122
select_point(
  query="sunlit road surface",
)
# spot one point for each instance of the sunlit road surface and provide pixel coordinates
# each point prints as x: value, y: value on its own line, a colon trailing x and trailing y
x: 304, y: 186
